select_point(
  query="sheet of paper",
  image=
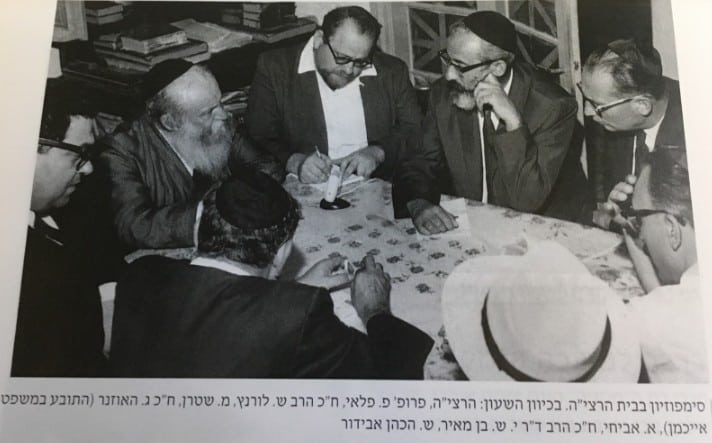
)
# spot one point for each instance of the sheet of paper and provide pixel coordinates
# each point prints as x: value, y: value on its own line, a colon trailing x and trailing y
x: 458, y: 208
x: 346, y: 184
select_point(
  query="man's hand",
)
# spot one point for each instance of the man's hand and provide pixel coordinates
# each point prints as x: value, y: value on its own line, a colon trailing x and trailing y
x: 489, y: 92
x: 325, y: 273
x: 643, y: 265
x: 312, y: 168
x: 371, y: 290
x: 362, y: 162
x: 610, y: 211
x: 430, y: 219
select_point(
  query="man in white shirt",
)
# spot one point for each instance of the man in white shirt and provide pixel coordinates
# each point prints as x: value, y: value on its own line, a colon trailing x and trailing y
x: 335, y: 100
x: 660, y: 236
x: 630, y: 108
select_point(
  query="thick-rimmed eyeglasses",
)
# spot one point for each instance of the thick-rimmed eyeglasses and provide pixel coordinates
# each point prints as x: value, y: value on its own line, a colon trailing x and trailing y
x: 83, y: 152
x: 600, y: 109
x: 360, y: 63
x: 445, y: 58
x: 634, y: 219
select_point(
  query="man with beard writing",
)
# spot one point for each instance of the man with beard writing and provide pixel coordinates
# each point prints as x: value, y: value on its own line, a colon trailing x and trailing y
x: 160, y: 169
x: 497, y: 131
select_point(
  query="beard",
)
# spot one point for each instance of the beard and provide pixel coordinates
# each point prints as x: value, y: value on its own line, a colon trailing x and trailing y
x: 461, y: 97
x: 208, y: 151
x: 335, y: 80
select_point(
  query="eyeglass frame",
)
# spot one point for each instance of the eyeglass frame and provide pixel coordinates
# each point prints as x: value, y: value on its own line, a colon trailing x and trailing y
x: 634, y: 219
x: 447, y: 60
x: 360, y: 63
x: 83, y: 152
x: 600, y: 109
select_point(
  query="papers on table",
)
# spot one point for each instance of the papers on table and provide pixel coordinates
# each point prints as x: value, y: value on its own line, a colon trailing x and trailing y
x: 458, y: 208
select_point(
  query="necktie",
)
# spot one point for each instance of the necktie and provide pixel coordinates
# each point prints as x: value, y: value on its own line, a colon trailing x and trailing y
x: 641, y: 153
x: 488, y: 133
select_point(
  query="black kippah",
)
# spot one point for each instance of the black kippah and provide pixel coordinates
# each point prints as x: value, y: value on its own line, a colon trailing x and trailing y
x: 162, y: 75
x: 493, y: 28
x: 252, y: 201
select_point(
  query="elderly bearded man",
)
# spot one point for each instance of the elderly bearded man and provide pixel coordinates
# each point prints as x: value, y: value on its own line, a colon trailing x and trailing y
x: 496, y: 130
x: 337, y: 98
x: 160, y: 168
x: 631, y: 108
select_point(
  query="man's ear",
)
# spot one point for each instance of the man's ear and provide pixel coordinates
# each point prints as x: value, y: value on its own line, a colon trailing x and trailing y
x: 673, y: 230
x: 498, y: 68
x: 168, y: 122
x: 643, y: 105
x: 318, y: 38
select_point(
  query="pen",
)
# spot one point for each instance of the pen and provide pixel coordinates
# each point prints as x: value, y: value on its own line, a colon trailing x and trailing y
x: 316, y: 149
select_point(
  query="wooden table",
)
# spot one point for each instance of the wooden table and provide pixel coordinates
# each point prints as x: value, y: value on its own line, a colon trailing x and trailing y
x: 419, y: 267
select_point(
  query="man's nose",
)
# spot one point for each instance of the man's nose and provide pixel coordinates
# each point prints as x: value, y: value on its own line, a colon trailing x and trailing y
x: 451, y: 73
x: 221, y: 113
x: 348, y: 68
x: 87, y: 168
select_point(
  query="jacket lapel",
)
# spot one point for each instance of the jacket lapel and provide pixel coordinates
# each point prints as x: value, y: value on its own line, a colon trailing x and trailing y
x: 307, y: 94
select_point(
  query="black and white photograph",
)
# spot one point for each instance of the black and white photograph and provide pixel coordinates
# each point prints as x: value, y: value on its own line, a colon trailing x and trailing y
x: 492, y: 191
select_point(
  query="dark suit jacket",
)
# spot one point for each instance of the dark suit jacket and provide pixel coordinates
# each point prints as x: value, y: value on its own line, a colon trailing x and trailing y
x: 173, y: 319
x: 610, y: 154
x: 59, y: 323
x: 528, y: 172
x: 154, y: 200
x: 286, y: 116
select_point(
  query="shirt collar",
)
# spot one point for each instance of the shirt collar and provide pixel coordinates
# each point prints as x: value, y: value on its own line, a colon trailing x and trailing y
x: 47, y: 219
x: 307, y: 63
x: 232, y: 268
x: 652, y: 133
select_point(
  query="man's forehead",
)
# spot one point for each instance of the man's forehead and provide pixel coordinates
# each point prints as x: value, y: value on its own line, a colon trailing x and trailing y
x: 348, y: 39
x: 80, y: 131
x: 465, y: 46
x: 598, y: 84
x: 195, y: 88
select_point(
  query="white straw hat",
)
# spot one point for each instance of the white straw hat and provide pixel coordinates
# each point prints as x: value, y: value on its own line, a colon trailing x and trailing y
x: 537, y: 317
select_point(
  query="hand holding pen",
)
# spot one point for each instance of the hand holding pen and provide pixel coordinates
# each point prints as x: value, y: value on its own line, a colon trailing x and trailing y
x: 315, y: 168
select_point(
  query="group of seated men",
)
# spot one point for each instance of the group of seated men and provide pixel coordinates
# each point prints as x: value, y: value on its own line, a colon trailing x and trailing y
x: 496, y: 130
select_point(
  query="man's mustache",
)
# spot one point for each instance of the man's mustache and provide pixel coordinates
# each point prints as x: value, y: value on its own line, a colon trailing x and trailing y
x: 454, y: 86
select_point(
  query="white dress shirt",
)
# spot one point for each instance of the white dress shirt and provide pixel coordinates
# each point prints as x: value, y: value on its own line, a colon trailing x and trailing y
x: 670, y: 324
x: 343, y: 108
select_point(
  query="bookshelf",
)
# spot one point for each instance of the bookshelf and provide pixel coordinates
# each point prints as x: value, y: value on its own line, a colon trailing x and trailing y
x: 117, y: 90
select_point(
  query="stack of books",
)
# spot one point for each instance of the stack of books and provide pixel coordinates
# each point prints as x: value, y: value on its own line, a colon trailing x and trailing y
x: 251, y: 14
x: 261, y: 16
x: 231, y: 15
x: 102, y: 13
x: 143, y: 47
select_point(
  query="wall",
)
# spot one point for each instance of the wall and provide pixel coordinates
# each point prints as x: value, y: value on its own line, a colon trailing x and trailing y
x: 664, y: 35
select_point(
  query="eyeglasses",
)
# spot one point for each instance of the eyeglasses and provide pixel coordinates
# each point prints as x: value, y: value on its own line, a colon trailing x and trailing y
x: 83, y: 152
x: 600, y: 109
x: 634, y: 219
x: 360, y: 63
x: 445, y: 58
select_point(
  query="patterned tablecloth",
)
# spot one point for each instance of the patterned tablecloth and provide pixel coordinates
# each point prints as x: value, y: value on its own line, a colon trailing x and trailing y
x: 419, y: 267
